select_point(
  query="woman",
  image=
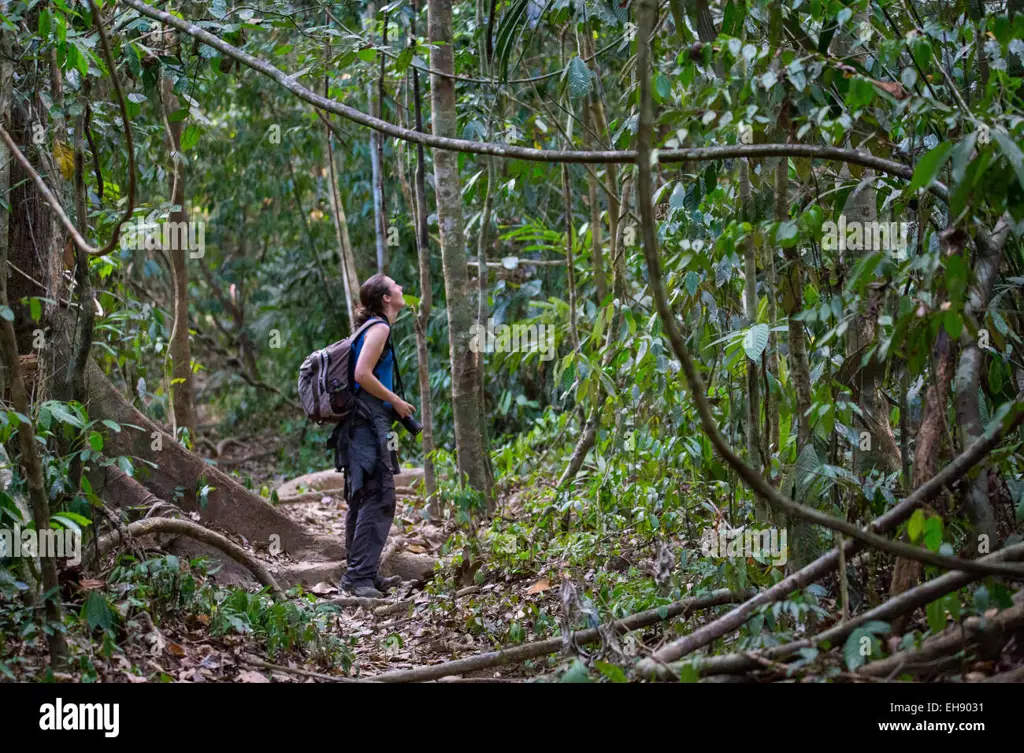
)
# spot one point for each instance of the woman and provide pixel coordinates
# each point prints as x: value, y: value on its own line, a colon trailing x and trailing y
x: 364, y: 443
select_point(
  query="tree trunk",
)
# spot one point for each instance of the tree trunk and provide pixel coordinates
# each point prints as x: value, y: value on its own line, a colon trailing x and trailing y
x: 968, y: 381
x: 183, y: 408
x: 930, y: 435
x: 753, y: 420
x: 350, y: 283
x: 426, y: 291
x: 465, y: 385
x: 30, y: 460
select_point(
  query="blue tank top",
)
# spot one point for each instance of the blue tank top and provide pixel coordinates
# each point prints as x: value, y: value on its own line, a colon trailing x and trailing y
x: 384, y: 370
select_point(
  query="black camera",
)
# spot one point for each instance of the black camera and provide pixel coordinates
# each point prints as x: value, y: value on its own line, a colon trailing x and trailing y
x: 411, y: 425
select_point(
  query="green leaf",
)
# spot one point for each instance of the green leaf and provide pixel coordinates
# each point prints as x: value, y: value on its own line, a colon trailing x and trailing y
x: 952, y: 323
x: 611, y: 671
x: 662, y: 87
x: 97, y: 612
x: 933, y: 533
x: 1011, y: 151
x: 367, y: 55
x: 576, y: 673
x: 77, y: 518
x: 755, y: 341
x: 506, y: 34
x: 956, y: 279
x: 923, y: 52
x: 691, y: 281
x: 35, y: 309
x: 112, y: 425
x: 787, y: 233
x: 189, y: 138
x: 689, y: 673
x: 936, y: 613
x: 7, y: 313
x: 96, y: 441
x: 852, y: 651
x: 62, y: 414
x: 915, y: 527
x: 929, y: 165
x: 580, y: 78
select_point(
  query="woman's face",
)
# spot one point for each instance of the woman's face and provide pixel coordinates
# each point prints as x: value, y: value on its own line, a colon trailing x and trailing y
x: 395, y: 298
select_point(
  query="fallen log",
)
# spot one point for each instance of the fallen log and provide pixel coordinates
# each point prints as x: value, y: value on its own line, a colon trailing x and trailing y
x: 553, y: 645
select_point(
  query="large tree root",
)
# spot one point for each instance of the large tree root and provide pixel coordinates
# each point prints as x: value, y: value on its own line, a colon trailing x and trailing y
x: 986, y: 635
x: 553, y: 645
x: 204, y: 535
x: 886, y: 612
x: 229, y: 505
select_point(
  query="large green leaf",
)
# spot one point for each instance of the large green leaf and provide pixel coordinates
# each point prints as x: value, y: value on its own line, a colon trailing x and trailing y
x: 929, y: 165
x: 580, y: 78
x: 506, y: 34
x: 97, y: 612
x: 755, y: 341
x: 1012, y: 152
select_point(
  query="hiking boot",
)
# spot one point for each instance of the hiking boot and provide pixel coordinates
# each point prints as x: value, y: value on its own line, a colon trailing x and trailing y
x: 363, y: 592
x: 386, y: 584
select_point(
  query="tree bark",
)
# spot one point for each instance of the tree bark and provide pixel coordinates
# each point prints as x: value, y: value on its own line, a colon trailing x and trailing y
x: 33, y: 471
x: 465, y: 381
x: 183, y: 407
x: 968, y: 381
x: 930, y: 435
x: 162, y: 465
x: 426, y: 293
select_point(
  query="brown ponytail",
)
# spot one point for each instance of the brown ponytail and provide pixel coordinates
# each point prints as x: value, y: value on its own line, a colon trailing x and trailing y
x: 371, y: 299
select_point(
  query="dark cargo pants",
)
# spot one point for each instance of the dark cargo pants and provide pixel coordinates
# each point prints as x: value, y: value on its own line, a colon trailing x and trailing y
x: 371, y: 512
x: 369, y: 491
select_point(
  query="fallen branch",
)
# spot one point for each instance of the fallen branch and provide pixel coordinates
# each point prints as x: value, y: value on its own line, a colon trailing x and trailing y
x: 975, y: 630
x: 824, y: 564
x: 252, y: 660
x: 203, y: 535
x: 553, y: 645
x: 906, y: 602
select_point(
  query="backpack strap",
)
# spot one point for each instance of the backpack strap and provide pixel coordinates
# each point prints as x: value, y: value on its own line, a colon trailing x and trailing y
x: 360, y: 332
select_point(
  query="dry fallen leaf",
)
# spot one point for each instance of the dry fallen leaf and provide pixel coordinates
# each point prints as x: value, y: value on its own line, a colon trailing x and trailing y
x: 416, y: 548
x: 323, y: 588
x: 174, y: 649
x: 895, y: 88
x: 91, y: 584
x: 251, y: 676
x: 542, y: 585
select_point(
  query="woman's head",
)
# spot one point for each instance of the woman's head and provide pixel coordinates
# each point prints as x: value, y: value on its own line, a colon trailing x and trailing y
x: 379, y: 296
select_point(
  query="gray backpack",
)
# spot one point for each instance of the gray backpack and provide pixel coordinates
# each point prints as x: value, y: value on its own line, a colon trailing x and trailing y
x: 325, y: 381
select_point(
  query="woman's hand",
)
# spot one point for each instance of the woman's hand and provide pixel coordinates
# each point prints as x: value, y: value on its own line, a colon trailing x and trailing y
x: 403, y: 408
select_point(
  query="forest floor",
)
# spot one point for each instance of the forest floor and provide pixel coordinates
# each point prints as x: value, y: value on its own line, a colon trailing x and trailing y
x: 174, y: 619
